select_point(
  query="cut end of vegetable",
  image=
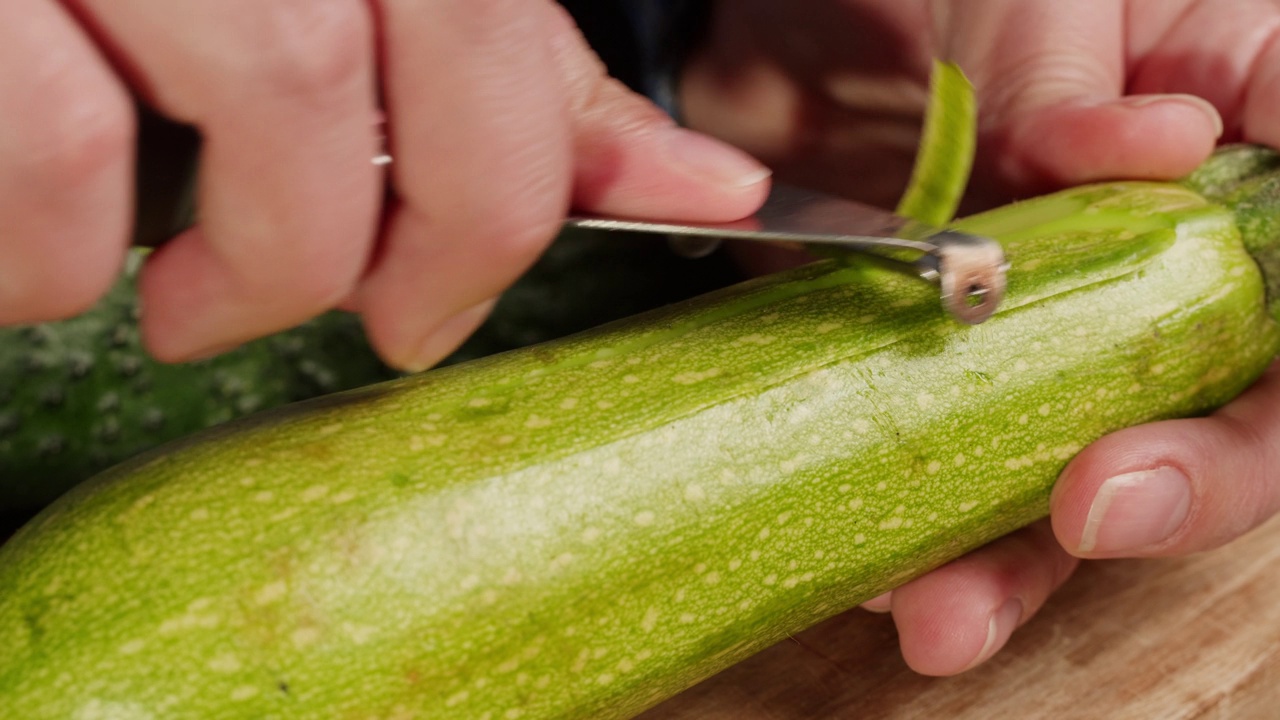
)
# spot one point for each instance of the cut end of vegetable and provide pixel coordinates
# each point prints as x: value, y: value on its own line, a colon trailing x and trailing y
x: 1246, y: 179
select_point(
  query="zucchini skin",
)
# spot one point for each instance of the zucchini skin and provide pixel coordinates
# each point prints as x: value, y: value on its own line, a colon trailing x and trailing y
x: 586, y: 527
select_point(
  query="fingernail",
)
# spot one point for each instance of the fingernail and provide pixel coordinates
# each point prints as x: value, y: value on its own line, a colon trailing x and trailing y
x: 705, y: 156
x: 999, y: 629
x: 446, y: 337
x: 1195, y: 101
x: 879, y: 604
x: 1136, y: 510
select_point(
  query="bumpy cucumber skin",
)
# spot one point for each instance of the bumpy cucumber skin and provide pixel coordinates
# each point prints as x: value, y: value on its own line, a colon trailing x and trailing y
x: 81, y: 395
x: 586, y: 527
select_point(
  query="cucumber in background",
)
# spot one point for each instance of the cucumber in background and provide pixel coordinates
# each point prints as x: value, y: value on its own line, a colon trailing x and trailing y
x: 79, y: 395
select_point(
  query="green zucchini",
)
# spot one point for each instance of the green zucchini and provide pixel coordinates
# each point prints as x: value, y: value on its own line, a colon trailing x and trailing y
x: 585, y: 527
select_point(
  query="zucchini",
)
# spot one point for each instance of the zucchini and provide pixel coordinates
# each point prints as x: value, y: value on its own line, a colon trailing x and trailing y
x: 585, y: 527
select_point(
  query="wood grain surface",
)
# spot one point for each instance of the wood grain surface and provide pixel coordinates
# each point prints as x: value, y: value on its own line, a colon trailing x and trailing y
x: 1171, y: 639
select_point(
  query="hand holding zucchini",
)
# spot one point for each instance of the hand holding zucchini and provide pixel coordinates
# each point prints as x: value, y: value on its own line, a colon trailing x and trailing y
x: 585, y: 527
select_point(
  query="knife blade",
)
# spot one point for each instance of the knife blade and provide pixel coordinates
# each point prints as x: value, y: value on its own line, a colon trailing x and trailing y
x: 969, y: 270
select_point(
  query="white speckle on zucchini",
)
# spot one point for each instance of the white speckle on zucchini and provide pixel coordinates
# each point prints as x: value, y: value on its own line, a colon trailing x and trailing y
x: 314, y: 493
x: 133, y: 647
x: 690, y: 378
x: 225, y: 663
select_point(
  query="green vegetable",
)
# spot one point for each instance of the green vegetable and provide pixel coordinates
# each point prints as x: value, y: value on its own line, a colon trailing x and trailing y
x: 80, y: 395
x: 585, y: 527
x: 946, y: 151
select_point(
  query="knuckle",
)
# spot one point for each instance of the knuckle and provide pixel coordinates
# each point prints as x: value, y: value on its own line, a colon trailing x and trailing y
x: 312, y: 48
x: 71, y: 147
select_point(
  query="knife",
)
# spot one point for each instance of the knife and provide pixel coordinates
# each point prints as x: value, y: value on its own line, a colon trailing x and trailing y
x: 969, y: 270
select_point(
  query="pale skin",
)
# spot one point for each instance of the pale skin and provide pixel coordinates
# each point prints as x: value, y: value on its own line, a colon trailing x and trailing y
x: 500, y: 119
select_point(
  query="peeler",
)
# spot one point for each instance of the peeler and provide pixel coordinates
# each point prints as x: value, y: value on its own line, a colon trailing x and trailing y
x: 969, y: 270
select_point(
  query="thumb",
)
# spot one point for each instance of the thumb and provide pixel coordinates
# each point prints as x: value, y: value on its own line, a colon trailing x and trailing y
x: 631, y: 159
x: 1051, y: 83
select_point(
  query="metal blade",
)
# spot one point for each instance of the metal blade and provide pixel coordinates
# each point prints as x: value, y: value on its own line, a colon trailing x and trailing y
x: 969, y: 270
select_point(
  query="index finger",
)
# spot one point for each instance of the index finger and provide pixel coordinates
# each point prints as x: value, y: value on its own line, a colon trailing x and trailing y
x: 283, y: 94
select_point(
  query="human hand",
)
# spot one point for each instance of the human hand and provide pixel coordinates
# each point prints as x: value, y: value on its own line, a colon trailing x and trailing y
x: 498, y: 115
x: 830, y: 94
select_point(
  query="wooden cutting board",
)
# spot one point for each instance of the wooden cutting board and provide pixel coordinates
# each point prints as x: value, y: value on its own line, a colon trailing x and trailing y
x: 1172, y: 639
